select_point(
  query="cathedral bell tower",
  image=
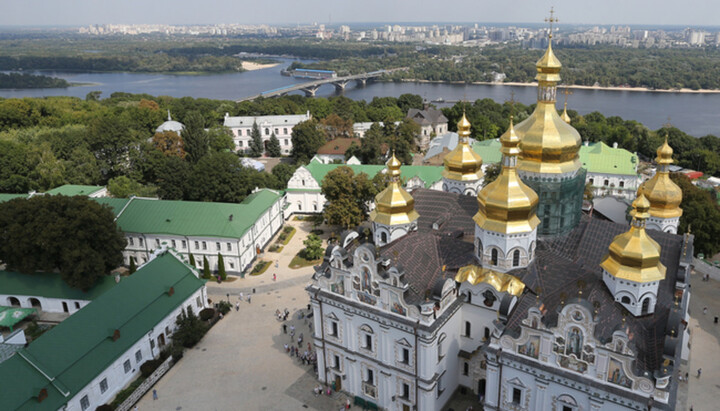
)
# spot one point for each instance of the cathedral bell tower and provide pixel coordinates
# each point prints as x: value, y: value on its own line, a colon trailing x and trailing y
x: 463, y: 166
x: 549, y: 161
x: 394, y: 214
x: 506, y: 223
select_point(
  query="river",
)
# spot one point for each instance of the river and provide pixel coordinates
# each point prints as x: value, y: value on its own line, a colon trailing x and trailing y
x: 697, y: 114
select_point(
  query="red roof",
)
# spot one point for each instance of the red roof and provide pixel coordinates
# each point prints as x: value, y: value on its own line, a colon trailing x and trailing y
x: 692, y: 175
x: 338, y: 146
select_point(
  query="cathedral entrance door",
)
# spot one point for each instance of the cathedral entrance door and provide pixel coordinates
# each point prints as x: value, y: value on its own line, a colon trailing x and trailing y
x: 338, y: 383
x: 481, y: 387
x: 406, y: 407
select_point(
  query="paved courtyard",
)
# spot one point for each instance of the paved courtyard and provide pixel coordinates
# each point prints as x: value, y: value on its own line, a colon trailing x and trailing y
x: 241, y: 364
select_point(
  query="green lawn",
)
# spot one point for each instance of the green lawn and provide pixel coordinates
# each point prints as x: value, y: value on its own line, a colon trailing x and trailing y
x: 299, y: 262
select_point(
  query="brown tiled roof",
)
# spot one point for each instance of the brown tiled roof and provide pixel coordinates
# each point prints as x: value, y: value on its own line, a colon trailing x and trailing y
x: 560, y: 262
x: 338, y: 146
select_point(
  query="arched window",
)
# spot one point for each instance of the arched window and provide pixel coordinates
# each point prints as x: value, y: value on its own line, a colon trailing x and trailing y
x: 479, y: 249
x: 645, y: 305
x: 592, y: 181
x: 383, y: 237
x: 494, y: 256
x: 606, y: 183
x: 622, y: 184
x: 516, y: 258
x: 13, y: 302
x: 625, y: 300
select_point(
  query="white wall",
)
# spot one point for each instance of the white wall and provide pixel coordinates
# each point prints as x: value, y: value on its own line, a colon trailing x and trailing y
x: 117, y: 378
x: 51, y: 305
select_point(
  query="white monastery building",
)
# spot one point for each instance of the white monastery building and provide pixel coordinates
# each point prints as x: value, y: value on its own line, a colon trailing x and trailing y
x: 281, y: 126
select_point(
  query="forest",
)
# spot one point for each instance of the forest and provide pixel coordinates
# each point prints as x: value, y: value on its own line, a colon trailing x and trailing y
x: 697, y: 68
x: 48, y: 142
x: 20, y: 81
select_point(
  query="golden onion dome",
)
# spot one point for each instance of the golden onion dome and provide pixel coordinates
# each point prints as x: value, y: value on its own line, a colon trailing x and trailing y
x: 664, y: 195
x: 549, y: 144
x: 565, y: 116
x: 394, y: 205
x: 664, y: 153
x: 633, y: 255
x: 507, y: 205
x: 548, y: 67
x: 463, y: 163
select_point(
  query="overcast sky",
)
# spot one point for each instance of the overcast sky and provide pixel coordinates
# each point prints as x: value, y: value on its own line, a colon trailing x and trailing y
x: 84, y: 12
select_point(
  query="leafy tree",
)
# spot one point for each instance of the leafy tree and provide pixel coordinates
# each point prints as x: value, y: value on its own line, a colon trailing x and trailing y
x: 93, y: 96
x: 221, y: 139
x: 206, y: 268
x: 337, y: 127
x: 190, y: 329
x: 307, y: 137
x: 348, y: 196
x: 256, y: 144
x: 192, y: 260
x: 283, y: 172
x: 195, y: 137
x: 702, y: 213
x: 273, y: 147
x: 313, y: 247
x: 35, y: 237
x: 221, y: 267
x: 219, y: 177
x: 408, y: 101
x: 169, y: 143
x: 492, y: 171
x: 133, y: 266
x: 125, y: 187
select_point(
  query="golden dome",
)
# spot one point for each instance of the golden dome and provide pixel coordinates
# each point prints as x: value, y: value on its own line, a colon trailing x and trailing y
x: 548, y: 67
x: 463, y: 163
x: 394, y: 205
x: 507, y: 205
x: 664, y: 195
x: 633, y: 255
x: 549, y: 144
x: 565, y: 116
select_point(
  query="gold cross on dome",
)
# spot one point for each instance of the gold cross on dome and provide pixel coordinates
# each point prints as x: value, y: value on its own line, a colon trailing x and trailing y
x: 551, y: 20
x: 567, y: 92
x: 512, y: 103
x: 668, y: 124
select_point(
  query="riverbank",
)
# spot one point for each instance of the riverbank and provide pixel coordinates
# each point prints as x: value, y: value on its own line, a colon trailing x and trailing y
x: 250, y: 66
x: 570, y: 86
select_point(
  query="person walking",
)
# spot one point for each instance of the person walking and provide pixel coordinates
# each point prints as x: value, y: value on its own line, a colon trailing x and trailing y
x: 237, y: 306
x: 699, y: 372
x: 284, y: 328
x: 248, y: 299
x: 704, y: 310
x: 155, y: 397
x: 274, y: 276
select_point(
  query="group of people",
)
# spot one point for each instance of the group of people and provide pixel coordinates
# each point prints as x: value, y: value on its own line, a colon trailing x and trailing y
x: 282, y: 315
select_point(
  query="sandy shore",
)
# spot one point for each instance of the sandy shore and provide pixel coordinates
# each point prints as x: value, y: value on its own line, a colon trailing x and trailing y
x: 250, y: 66
x: 640, y: 89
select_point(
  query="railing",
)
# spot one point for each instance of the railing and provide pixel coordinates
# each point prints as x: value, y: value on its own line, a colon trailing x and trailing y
x: 146, y: 385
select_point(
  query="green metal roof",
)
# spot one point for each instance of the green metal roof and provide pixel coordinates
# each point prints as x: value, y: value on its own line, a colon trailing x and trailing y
x: 116, y: 204
x: 74, y: 190
x: 77, y: 350
x: 601, y: 158
x: 596, y: 158
x: 9, y: 316
x: 50, y: 285
x: 489, y: 150
x: 192, y: 218
x: 7, y: 197
x: 429, y: 174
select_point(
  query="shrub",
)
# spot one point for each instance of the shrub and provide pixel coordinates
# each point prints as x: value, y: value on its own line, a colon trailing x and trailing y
x: 148, y: 367
x: 224, y: 307
x: 124, y: 394
x: 207, y: 314
x: 287, y: 229
x: 317, y: 232
x: 177, y: 351
x: 190, y: 329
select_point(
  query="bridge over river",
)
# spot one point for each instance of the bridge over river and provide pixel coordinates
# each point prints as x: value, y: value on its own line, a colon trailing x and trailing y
x: 311, y: 87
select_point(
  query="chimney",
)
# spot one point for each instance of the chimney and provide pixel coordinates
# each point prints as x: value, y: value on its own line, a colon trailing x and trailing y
x: 587, y: 143
x: 231, y: 217
x: 615, y: 144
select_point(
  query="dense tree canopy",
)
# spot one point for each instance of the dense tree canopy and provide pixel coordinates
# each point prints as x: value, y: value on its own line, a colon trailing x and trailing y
x: 701, y: 214
x: 73, y: 235
x: 349, y: 196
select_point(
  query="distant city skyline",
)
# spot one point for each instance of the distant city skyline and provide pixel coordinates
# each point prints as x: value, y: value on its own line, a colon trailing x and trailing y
x: 183, y: 12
